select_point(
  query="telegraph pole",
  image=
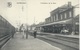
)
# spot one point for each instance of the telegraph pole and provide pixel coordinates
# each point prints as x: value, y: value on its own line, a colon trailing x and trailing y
x: 34, y: 20
x: 22, y: 3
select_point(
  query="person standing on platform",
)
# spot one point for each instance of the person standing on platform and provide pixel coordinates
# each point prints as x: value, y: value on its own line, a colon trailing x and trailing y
x: 26, y: 34
x: 22, y: 30
x: 26, y: 31
x: 23, y: 34
x: 35, y: 33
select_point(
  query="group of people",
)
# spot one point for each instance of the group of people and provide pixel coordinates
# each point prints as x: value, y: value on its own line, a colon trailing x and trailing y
x: 65, y: 31
x: 25, y: 33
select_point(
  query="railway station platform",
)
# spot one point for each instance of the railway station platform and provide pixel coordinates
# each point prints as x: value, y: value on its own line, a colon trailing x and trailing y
x: 19, y: 43
x: 70, y: 36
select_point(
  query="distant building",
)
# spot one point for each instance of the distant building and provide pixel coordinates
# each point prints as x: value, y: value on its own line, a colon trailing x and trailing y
x: 32, y: 27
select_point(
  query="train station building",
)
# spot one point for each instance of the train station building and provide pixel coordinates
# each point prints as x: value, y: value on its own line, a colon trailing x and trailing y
x: 62, y: 18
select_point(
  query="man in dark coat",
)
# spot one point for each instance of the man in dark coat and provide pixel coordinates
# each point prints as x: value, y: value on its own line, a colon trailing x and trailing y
x: 35, y: 33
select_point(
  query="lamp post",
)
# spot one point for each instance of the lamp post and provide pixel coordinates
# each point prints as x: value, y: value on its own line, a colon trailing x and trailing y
x: 34, y: 20
x: 22, y: 3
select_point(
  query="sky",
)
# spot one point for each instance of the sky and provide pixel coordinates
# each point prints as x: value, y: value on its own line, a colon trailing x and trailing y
x: 34, y: 11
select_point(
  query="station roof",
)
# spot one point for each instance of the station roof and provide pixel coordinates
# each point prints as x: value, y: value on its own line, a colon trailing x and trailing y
x: 68, y: 21
x: 59, y: 22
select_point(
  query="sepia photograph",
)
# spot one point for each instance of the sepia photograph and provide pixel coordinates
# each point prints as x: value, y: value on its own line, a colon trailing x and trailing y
x: 39, y: 24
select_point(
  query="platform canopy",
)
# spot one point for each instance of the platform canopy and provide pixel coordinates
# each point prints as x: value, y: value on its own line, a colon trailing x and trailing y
x: 69, y: 21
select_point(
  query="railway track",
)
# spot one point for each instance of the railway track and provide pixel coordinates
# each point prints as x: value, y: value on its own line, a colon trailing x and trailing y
x: 66, y: 41
x: 3, y: 40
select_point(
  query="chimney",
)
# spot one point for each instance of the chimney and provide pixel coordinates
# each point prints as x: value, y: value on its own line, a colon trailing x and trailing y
x: 69, y: 4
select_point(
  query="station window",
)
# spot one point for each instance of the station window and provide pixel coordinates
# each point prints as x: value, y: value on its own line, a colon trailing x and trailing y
x: 48, y: 19
x: 65, y: 16
x: 61, y: 16
x: 70, y: 14
x: 56, y: 16
x: 51, y: 19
